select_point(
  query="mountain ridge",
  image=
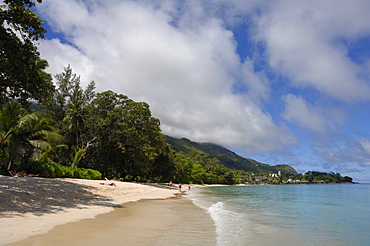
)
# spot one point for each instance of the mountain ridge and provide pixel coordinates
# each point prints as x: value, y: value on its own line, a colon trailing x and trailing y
x: 226, y: 157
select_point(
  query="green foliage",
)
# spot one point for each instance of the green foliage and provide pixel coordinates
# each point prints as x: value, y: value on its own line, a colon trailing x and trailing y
x: 126, y: 132
x: 22, y: 74
x: 318, y: 177
x: 313, y: 177
x: 77, y: 156
x: 69, y: 107
x: 83, y: 173
x: 184, y: 169
x: 21, y: 134
x: 55, y: 170
x: 200, y: 169
x: 118, y: 137
x: 226, y: 157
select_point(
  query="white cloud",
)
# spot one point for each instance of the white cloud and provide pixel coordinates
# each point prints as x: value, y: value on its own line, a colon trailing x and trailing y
x: 257, y: 83
x: 59, y: 55
x: 181, y: 58
x: 74, y: 12
x: 184, y: 65
x: 302, y: 41
x: 297, y: 110
x: 357, y: 151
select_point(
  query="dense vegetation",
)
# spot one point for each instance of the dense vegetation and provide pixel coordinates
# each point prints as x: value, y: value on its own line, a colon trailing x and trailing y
x: 107, y: 132
x: 323, y: 177
x: 22, y: 74
x: 79, y: 132
x: 74, y: 132
x: 226, y: 157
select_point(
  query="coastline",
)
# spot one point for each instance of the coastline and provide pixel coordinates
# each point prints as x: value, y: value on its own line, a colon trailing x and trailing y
x: 147, y: 222
x: 34, y: 206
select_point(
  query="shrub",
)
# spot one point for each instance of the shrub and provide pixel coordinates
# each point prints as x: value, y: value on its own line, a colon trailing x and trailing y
x: 56, y: 170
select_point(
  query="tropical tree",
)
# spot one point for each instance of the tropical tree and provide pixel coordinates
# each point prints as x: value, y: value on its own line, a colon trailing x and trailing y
x: 69, y: 92
x: 184, y: 169
x: 21, y: 135
x: 22, y: 74
x: 198, y: 175
x: 104, y: 122
x: 77, y: 156
x: 165, y: 166
x: 143, y: 141
x: 126, y: 132
x: 69, y: 108
x: 9, y: 118
x: 75, y: 119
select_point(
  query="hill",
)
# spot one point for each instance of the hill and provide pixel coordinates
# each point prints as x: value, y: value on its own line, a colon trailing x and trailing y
x: 226, y: 157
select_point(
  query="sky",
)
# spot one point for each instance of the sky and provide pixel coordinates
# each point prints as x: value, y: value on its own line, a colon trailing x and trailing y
x: 281, y: 82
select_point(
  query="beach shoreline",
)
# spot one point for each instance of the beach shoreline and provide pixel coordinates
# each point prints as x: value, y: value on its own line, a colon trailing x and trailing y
x: 33, y: 206
x: 147, y: 222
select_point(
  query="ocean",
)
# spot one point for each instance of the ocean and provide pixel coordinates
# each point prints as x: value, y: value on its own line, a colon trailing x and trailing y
x: 332, y: 214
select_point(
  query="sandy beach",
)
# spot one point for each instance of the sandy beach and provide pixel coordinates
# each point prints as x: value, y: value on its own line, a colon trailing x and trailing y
x: 38, y: 211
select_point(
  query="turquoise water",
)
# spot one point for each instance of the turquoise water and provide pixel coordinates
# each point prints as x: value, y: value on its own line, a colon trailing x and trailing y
x: 337, y: 214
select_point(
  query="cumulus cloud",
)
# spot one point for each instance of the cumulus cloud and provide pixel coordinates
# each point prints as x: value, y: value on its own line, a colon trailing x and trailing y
x: 54, y: 49
x: 317, y: 119
x: 299, y: 111
x: 259, y: 89
x: 303, y: 41
x: 179, y: 60
x: 297, y: 66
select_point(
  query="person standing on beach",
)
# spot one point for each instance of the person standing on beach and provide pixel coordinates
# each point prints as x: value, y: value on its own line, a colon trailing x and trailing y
x: 179, y: 187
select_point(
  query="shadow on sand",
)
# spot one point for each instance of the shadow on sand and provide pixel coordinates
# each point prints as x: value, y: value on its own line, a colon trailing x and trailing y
x: 42, y: 195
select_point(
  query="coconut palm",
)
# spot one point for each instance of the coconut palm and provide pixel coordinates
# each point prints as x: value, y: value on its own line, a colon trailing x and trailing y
x: 21, y: 136
x: 39, y: 133
x: 75, y: 118
x: 9, y: 117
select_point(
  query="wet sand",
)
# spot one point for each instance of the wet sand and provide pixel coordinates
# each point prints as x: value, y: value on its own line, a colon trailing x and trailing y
x: 164, y: 222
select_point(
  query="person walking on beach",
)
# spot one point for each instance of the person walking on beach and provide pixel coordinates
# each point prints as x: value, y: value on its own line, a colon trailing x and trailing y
x: 179, y: 187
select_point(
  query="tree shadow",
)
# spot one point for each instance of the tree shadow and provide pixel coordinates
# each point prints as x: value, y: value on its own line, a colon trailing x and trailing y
x: 41, y: 196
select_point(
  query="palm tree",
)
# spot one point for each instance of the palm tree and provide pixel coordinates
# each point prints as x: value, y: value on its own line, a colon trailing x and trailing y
x: 77, y: 156
x: 9, y: 117
x: 75, y: 117
x: 23, y: 135
x: 39, y: 133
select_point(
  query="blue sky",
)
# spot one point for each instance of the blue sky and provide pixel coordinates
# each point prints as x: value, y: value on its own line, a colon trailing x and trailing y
x: 280, y: 81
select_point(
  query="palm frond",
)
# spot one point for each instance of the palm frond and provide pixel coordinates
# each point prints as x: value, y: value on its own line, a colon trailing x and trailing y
x: 41, y: 144
x: 50, y: 136
x: 78, y: 157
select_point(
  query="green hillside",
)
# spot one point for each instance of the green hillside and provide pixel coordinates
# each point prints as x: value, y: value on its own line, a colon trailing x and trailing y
x: 226, y: 157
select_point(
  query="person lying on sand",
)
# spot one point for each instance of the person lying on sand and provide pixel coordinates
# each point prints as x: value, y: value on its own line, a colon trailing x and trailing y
x: 19, y: 174
x: 111, y: 184
x: 22, y: 174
